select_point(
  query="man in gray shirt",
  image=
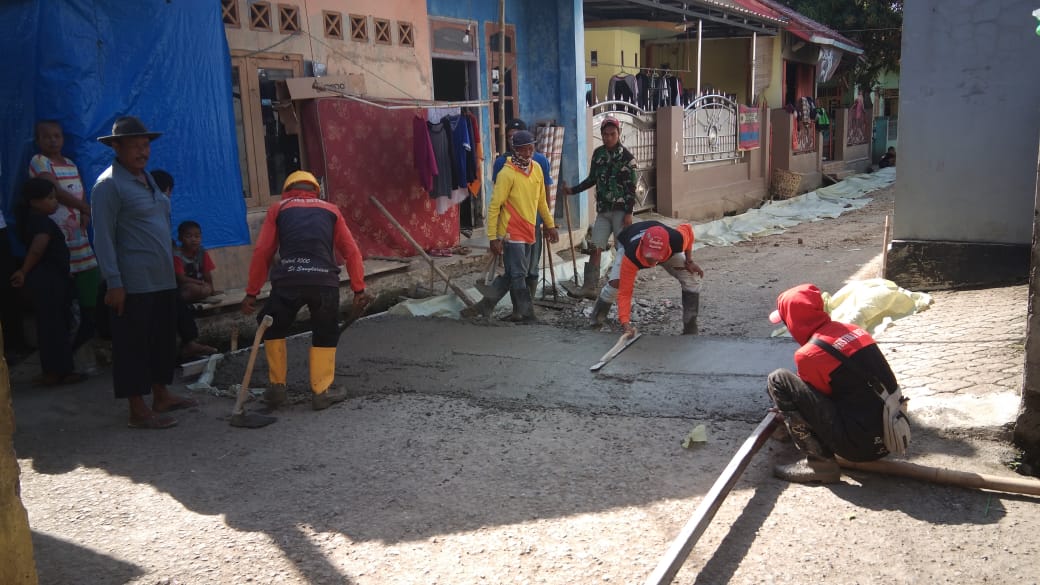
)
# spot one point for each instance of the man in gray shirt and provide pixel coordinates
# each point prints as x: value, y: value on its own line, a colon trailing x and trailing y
x: 134, y: 250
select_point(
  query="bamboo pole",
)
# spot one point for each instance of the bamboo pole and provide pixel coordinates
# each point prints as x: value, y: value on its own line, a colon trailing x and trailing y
x: 1013, y: 485
x: 458, y: 291
x: 502, y: 76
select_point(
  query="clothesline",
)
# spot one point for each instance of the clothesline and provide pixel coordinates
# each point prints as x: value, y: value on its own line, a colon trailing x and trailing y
x: 641, y: 68
x: 406, y: 104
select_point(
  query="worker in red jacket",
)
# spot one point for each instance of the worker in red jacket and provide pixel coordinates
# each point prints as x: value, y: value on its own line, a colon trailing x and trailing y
x: 643, y: 245
x: 828, y: 406
x: 307, y: 233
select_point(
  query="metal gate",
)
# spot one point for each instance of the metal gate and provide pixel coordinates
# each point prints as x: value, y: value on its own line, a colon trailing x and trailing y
x: 639, y: 135
x: 710, y: 129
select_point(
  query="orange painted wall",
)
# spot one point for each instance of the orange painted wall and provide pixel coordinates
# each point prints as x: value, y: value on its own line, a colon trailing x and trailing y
x: 390, y: 71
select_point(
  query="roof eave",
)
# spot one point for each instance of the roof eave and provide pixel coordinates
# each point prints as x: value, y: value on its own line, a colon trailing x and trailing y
x: 836, y: 44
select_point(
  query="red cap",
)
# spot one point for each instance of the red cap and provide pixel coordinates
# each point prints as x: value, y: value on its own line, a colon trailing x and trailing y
x: 654, y: 244
x: 610, y: 121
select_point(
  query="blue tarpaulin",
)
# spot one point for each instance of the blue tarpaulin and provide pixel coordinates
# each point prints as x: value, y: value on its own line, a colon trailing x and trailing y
x: 84, y: 63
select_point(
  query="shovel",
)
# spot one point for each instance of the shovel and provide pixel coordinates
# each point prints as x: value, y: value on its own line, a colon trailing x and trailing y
x: 239, y: 417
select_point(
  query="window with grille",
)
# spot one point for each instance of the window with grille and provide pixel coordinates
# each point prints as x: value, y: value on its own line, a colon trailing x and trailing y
x: 260, y: 16
x: 359, y: 28
x: 288, y: 18
x: 383, y: 36
x: 405, y: 34
x: 333, y: 24
x: 229, y: 12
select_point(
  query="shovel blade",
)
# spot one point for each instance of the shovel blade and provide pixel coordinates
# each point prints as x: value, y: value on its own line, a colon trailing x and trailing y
x: 250, y: 420
x: 573, y: 290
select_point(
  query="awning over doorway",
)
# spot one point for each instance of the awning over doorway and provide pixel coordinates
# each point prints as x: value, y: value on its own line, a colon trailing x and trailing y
x: 720, y: 18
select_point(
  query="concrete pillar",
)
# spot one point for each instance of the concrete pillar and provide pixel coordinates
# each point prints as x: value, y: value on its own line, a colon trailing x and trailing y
x: 1027, y: 427
x: 840, y: 132
x: 16, y: 559
x: 670, y: 170
x: 780, y: 129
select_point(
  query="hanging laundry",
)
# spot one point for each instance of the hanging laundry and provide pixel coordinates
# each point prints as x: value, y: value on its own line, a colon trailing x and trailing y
x: 474, y: 133
x: 622, y: 87
x: 674, y: 95
x: 425, y: 161
x: 462, y: 162
x: 441, y: 144
x: 436, y: 114
x: 643, y: 89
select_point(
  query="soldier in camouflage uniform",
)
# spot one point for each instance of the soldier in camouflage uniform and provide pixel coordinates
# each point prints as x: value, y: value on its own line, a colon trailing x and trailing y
x: 613, y: 173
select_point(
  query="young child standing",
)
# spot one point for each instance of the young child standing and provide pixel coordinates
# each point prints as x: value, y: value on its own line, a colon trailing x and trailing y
x: 72, y: 216
x: 45, y: 272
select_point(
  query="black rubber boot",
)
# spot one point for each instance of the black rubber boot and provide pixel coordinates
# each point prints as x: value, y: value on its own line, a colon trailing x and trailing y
x: 818, y: 465
x: 485, y: 289
x: 275, y: 395
x: 532, y: 285
x: 590, y: 286
x: 486, y: 306
x: 691, y: 306
x: 327, y: 398
x: 526, y: 306
x: 515, y: 315
x: 599, y: 313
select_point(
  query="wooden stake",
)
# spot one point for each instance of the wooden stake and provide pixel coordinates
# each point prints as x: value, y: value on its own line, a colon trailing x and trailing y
x: 458, y: 291
x: 234, y: 338
x: 570, y: 234
x: 884, y: 250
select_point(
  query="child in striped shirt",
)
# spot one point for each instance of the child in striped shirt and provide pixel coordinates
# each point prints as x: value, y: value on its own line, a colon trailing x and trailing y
x: 72, y: 217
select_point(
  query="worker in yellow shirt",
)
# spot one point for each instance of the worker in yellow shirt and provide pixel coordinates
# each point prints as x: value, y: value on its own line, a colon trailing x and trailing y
x: 518, y: 199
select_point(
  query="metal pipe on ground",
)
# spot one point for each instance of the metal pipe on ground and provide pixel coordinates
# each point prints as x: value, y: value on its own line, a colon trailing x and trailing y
x: 698, y: 523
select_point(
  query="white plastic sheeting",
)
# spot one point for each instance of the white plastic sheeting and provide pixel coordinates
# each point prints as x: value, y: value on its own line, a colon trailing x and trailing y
x: 775, y: 217
x: 772, y: 218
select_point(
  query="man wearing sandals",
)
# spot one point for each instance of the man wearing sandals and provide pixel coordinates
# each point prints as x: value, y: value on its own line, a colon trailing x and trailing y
x: 133, y: 247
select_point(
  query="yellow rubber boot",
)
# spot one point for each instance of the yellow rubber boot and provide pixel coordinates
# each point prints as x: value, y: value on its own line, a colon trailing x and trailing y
x: 323, y: 372
x: 277, y: 369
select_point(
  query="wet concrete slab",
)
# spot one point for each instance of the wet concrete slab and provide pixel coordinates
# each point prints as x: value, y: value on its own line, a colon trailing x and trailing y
x: 536, y: 366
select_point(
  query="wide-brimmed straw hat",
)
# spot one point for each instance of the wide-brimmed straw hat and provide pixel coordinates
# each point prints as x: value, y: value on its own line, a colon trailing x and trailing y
x: 128, y: 127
